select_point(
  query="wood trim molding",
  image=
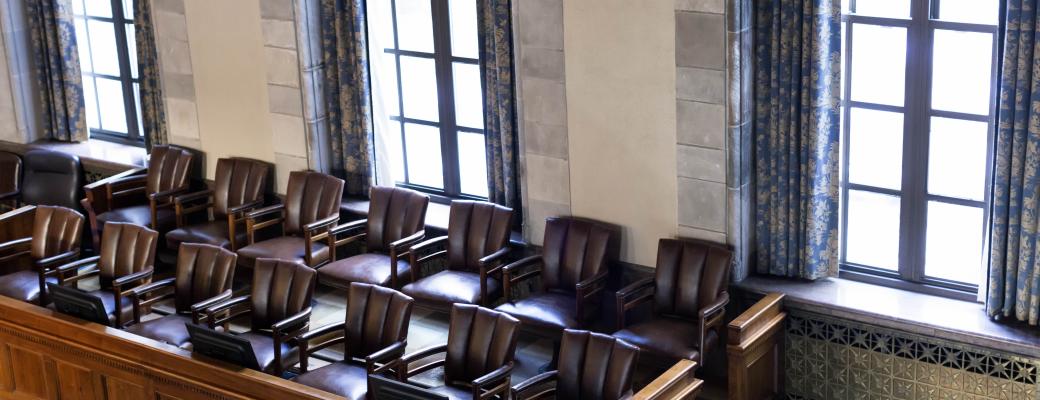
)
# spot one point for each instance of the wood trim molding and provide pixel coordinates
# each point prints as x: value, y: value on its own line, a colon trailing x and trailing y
x: 47, y: 355
x: 677, y: 383
x: 756, y: 350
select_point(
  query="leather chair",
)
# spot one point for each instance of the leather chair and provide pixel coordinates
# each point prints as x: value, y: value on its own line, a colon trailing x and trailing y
x: 310, y: 210
x: 477, y: 241
x: 576, y: 256
x: 10, y: 180
x: 689, y: 296
x: 592, y: 366
x: 126, y: 261
x: 238, y: 189
x: 55, y: 240
x: 203, y: 279
x: 53, y: 179
x: 279, y: 306
x: 396, y: 221
x: 374, y: 336
x: 145, y: 200
x: 478, y: 357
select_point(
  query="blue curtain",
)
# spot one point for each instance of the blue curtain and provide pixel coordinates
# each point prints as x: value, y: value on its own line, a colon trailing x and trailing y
x: 796, y: 136
x: 496, y: 60
x: 153, y: 113
x: 56, y: 60
x: 1014, y: 276
x: 347, y: 92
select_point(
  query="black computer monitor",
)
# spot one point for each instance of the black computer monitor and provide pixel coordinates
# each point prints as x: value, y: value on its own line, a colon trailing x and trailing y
x: 381, y: 388
x: 222, y: 346
x: 74, y: 302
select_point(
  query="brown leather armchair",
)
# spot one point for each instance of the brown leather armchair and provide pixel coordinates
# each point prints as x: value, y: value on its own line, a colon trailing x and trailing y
x: 145, y: 200
x: 203, y: 279
x: 55, y: 240
x: 477, y: 242
x: 238, y: 189
x: 593, y: 365
x: 396, y: 221
x: 310, y: 210
x: 279, y: 303
x: 689, y: 296
x: 478, y: 357
x: 374, y: 336
x: 126, y: 261
x: 576, y: 256
x: 10, y: 180
x: 52, y: 178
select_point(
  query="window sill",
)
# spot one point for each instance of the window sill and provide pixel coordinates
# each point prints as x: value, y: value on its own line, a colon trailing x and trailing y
x: 96, y: 155
x: 920, y: 313
x: 436, y: 217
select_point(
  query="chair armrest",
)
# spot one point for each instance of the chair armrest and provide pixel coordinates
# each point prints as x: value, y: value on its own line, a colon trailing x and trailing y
x: 126, y: 186
x: 252, y: 225
x: 404, y: 372
x: 322, y: 331
x: 494, y: 381
x: 48, y: 263
x: 349, y: 226
x: 493, y: 258
x: 226, y: 305
x: 322, y: 223
x: 167, y: 193
x: 184, y: 198
x: 198, y: 309
x: 425, y: 245
x: 127, y: 180
x: 624, y: 302
x: 508, y: 280
x: 265, y: 211
x: 300, y: 321
x: 385, y: 358
x: 416, y: 261
x: 718, y: 305
x: 591, y: 286
x: 64, y: 269
x: 245, y: 207
x: 303, y: 341
x: 7, y: 195
x: 533, y: 382
x: 424, y: 352
x: 149, y: 288
x: 523, y: 263
x: 138, y: 293
x: 403, y: 245
x: 11, y: 244
x: 134, y: 277
x: 334, y: 243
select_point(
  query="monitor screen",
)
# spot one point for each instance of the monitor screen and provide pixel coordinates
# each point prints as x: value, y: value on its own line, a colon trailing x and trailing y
x: 381, y: 388
x: 222, y: 346
x: 74, y: 302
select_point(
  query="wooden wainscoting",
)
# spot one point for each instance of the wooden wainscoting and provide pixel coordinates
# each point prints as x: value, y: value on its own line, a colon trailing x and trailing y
x: 756, y: 350
x: 45, y: 355
x: 677, y: 383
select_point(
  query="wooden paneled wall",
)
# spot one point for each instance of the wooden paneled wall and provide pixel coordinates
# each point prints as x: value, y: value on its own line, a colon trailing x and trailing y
x: 756, y: 350
x: 44, y: 355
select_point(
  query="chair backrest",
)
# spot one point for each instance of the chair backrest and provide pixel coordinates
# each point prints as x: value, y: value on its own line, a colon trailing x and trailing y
x: 55, y: 230
x: 480, y: 340
x: 52, y: 178
x: 594, y: 366
x: 125, y: 249
x: 168, y: 168
x: 239, y: 181
x: 311, y: 196
x: 280, y: 290
x: 575, y: 249
x: 690, y: 274
x: 10, y: 172
x: 475, y: 230
x: 203, y: 272
x: 376, y: 317
x: 394, y: 213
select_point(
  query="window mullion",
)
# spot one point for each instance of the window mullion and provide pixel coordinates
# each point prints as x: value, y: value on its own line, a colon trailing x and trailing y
x: 125, y: 74
x: 916, y: 135
x: 446, y: 97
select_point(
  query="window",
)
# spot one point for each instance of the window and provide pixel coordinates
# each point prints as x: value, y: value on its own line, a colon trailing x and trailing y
x: 424, y: 55
x: 108, y: 59
x: 917, y: 126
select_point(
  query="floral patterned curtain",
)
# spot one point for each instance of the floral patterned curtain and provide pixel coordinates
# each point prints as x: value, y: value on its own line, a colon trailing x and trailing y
x: 56, y: 60
x: 1014, y: 276
x: 347, y: 93
x: 496, y: 59
x: 796, y: 137
x: 153, y: 113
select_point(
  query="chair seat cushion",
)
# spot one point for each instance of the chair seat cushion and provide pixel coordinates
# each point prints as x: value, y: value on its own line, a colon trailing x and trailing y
x: 169, y: 329
x: 371, y: 268
x: 666, y: 336
x: 109, y: 300
x: 289, y: 248
x: 449, y: 287
x: 212, y: 233
x: 138, y: 215
x: 347, y: 380
x: 22, y: 285
x: 453, y: 392
x: 544, y: 310
x: 263, y: 348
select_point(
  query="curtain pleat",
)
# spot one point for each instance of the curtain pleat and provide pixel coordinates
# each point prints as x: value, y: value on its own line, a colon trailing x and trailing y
x: 796, y: 137
x: 496, y: 59
x: 56, y: 60
x: 153, y: 111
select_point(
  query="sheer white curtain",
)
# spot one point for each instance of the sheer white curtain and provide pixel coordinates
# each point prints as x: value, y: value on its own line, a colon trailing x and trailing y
x: 385, y: 133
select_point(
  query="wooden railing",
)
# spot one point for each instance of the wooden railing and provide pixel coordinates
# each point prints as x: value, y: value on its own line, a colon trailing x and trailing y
x: 44, y: 355
x: 677, y: 383
x: 756, y: 350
